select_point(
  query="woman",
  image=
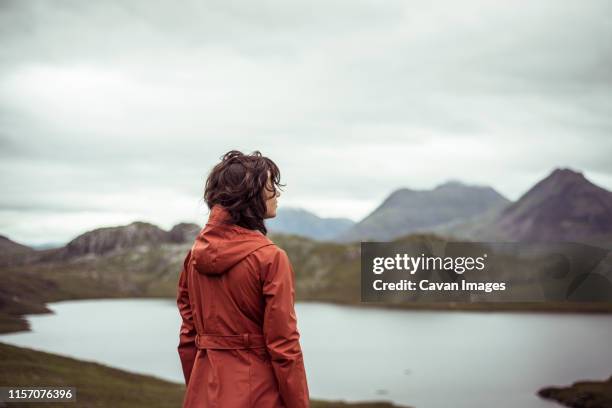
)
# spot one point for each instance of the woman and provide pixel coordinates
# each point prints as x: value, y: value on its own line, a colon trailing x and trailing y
x: 239, y: 344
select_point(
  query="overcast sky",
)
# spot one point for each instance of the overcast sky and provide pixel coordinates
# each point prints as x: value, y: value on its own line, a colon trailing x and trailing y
x: 115, y: 111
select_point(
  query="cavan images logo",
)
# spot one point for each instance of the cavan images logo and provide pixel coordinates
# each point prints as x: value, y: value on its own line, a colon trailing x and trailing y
x: 414, y: 264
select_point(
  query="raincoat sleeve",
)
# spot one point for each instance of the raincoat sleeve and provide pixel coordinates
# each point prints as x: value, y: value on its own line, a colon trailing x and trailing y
x: 281, y: 334
x: 186, y: 348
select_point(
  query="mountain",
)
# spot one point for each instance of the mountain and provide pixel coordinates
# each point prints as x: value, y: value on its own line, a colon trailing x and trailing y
x: 564, y: 206
x: 9, y: 246
x: 104, y: 240
x: 301, y: 222
x: 184, y: 232
x: 406, y: 211
x: 11, y: 251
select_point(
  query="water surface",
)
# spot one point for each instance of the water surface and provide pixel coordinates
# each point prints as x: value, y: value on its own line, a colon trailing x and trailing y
x: 425, y: 359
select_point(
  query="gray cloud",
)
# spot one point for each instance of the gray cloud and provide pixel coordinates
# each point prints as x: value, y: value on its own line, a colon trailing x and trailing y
x: 111, y: 111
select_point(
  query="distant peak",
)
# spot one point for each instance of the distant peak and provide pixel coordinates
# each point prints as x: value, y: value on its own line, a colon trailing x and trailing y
x: 404, y: 190
x: 563, y: 177
x: 564, y: 172
x: 451, y: 184
x: 140, y: 223
x: 561, y: 181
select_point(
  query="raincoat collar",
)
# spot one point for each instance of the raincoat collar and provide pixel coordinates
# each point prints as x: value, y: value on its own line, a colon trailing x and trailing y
x: 219, y: 215
x: 221, y: 244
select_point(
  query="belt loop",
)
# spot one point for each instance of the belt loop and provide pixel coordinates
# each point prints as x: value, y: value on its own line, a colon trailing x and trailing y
x: 229, y: 342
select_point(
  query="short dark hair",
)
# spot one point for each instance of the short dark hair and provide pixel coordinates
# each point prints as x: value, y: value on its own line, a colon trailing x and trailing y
x: 237, y: 184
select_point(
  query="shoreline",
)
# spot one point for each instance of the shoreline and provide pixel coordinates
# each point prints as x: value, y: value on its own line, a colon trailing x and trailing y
x: 490, y: 307
x: 581, y: 394
x: 13, y: 323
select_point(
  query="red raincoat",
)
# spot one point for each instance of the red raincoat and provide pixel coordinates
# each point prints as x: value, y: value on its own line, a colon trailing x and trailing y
x: 239, y: 344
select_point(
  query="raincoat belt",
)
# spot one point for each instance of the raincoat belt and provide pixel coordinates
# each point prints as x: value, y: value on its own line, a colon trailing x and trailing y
x: 230, y: 342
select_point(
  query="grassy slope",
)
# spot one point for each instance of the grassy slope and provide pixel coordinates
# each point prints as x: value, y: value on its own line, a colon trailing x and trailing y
x: 330, y: 272
x: 98, y: 385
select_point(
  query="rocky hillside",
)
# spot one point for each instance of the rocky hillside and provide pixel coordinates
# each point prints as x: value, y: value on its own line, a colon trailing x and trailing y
x: 7, y: 246
x: 105, y: 240
x: 12, y: 252
x: 406, y: 211
x: 184, y: 232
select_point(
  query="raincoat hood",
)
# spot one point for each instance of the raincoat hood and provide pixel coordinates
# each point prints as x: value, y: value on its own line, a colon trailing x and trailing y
x: 219, y: 246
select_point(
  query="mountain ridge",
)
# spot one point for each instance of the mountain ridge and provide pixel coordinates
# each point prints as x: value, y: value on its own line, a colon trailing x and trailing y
x: 407, y: 210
